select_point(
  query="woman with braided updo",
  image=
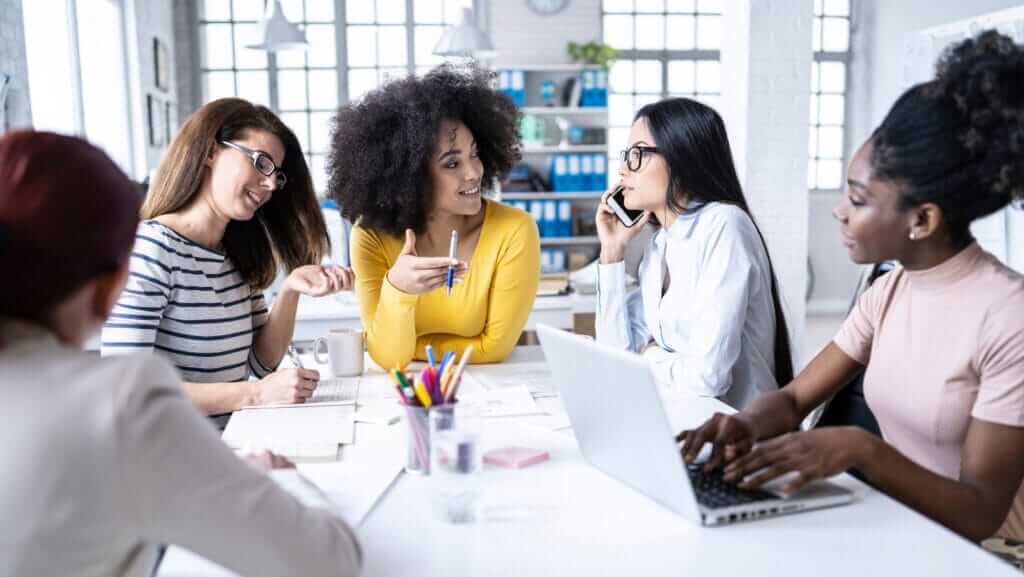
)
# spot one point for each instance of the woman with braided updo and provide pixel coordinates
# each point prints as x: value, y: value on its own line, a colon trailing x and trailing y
x: 942, y: 335
x: 408, y: 165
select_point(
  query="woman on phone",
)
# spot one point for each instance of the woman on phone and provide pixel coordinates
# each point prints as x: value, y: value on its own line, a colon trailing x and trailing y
x: 941, y: 336
x: 707, y: 314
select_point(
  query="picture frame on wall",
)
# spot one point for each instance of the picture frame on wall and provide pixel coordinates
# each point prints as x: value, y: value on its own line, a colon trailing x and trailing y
x: 156, y: 114
x: 161, y: 65
x: 170, y: 121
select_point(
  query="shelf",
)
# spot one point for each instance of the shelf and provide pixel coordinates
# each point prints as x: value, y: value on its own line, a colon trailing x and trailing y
x: 570, y: 148
x: 569, y: 241
x: 547, y: 195
x: 547, y: 67
x: 557, y: 110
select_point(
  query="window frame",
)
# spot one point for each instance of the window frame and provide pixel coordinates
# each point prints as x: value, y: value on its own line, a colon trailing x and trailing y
x: 817, y: 57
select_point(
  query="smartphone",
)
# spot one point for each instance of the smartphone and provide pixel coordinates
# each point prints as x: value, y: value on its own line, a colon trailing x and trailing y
x: 617, y: 202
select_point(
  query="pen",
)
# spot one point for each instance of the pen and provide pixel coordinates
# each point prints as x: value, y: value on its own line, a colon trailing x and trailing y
x: 294, y: 356
x: 430, y: 355
x: 451, y: 256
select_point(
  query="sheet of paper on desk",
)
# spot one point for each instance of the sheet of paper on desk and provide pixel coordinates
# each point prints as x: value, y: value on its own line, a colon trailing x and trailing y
x: 508, y: 402
x: 538, y: 381
x: 304, y: 431
x: 352, y: 487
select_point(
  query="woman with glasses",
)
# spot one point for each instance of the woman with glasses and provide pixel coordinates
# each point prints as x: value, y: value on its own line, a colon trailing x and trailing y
x: 410, y: 162
x: 232, y: 198
x: 707, y: 313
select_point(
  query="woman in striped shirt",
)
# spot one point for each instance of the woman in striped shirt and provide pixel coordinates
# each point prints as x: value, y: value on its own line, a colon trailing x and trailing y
x: 232, y: 197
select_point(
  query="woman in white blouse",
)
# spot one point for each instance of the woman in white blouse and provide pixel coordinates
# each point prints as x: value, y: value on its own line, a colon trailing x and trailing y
x: 107, y: 458
x: 707, y: 314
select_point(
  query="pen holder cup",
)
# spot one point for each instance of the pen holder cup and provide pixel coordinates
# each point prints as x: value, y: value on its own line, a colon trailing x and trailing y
x: 421, y: 424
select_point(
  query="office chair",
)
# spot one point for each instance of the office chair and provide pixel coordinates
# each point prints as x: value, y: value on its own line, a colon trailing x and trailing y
x: 848, y: 406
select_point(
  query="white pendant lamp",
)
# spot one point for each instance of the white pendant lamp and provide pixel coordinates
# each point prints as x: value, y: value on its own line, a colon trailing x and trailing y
x: 275, y: 32
x: 464, y: 40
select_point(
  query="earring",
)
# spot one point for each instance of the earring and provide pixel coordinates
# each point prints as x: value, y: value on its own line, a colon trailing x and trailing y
x: 913, y: 235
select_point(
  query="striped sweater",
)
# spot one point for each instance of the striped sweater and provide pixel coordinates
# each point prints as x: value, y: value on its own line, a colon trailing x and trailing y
x: 190, y: 304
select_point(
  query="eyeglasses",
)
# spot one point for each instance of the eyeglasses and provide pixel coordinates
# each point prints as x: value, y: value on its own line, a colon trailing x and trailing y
x: 633, y: 157
x: 261, y: 162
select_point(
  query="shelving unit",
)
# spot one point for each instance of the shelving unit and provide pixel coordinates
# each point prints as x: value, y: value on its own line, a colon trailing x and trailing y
x: 564, y: 139
x: 569, y: 148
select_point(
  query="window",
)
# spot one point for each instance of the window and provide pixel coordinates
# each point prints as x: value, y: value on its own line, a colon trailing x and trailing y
x: 77, y: 78
x: 354, y: 46
x: 665, y: 48
x: 829, y: 73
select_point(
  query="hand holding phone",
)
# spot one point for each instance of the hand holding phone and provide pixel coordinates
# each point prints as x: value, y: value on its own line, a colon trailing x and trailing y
x: 616, y: 225
x: 617, y: 202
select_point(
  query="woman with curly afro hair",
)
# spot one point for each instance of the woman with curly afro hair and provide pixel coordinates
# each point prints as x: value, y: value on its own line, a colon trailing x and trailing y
x: 409, y: 164
x: 944, y: 331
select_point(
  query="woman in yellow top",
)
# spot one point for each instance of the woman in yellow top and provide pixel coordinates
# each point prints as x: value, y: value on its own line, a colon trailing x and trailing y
x: 408, y: 164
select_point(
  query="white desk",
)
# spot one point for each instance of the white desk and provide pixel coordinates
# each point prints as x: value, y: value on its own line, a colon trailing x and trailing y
x: 565, y: 518
x: 316, y: 316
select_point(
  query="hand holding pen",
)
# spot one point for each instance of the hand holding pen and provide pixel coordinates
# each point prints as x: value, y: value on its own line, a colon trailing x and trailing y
x: 416, y: 274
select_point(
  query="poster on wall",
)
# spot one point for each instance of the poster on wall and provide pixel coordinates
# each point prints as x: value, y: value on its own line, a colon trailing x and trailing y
x: 161, y: 65
x: 157, y: 117
x: 170, y: 121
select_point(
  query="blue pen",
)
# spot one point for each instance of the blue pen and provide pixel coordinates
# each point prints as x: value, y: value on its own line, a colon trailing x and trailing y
x: 451, y: 255
x: 445, y: 359
x: 430, y: 355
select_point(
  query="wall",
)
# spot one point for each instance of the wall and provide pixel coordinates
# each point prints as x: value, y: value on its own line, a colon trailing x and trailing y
x: 523, y: 37
x: 765, y: 94
x: 149, y: 19
x: 13, y: 63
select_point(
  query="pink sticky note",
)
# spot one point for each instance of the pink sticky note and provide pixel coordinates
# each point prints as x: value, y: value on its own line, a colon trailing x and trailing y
x: 514, y: 457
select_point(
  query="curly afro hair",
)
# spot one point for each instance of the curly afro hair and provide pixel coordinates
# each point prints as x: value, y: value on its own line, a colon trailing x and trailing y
x: 958, y: 140
x: 382, y: 145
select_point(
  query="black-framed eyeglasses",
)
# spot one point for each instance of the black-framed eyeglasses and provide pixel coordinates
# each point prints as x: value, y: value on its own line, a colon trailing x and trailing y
x: 633, y: 157
x: 261, y: 162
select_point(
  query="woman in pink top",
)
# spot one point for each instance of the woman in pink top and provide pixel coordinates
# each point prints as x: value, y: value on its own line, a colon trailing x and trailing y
x: 944, y: 333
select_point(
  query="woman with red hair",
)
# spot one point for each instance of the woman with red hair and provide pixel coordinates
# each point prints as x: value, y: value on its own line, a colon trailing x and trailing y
x: 110, y: 459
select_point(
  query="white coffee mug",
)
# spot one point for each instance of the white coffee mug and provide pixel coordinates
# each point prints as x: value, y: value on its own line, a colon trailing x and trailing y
x: 344, y: 352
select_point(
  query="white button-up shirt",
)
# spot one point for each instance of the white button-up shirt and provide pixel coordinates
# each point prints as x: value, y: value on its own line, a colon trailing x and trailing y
x: 715, y: 325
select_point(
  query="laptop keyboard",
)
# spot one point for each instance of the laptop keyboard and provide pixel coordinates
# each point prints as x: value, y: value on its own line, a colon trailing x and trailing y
x: 714, y: 492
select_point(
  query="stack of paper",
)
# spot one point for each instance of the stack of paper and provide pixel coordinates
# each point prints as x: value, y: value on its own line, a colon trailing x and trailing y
x: 296, y: 431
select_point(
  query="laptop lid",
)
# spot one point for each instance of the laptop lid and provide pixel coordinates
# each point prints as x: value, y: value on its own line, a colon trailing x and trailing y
x: 618, y: 417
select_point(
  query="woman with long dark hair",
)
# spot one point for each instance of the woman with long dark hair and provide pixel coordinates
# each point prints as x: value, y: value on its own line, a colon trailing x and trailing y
x: 941, y: 335
x: 707, y: 314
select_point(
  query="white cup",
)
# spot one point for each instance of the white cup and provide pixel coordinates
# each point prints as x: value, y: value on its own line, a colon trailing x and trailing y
x: 344, y: 352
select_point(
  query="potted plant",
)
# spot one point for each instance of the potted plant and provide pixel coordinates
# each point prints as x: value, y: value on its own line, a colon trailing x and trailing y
x: 592, y: 53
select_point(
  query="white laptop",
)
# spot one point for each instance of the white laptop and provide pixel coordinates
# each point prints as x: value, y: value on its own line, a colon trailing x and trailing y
x: 621, y: 426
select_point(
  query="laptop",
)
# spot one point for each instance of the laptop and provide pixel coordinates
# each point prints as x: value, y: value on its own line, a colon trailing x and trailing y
x: 622, y: 429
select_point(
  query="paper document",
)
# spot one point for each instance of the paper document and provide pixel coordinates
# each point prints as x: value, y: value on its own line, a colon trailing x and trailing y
x: 303, y: 431
x: 508, y: 402
x: 538, y: 381
x: 353, y: 488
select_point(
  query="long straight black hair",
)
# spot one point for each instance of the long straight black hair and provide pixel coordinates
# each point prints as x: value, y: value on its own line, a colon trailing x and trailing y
x: 691, y: 137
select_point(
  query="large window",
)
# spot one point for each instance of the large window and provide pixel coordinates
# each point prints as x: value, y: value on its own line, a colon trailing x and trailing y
x: 829, y: 73
x: 78, y: 84
x: 665, y: 48
x: 354, y: 46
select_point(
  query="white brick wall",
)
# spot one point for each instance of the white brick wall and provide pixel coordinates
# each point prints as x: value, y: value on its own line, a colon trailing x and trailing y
x: 13, y: 63
x: 766, y: 98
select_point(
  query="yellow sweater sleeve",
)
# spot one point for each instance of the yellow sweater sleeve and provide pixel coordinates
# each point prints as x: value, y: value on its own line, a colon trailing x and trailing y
x: 510, y: 300
x: 388, y: 314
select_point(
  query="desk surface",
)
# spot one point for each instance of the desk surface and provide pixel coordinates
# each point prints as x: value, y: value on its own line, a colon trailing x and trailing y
x: 563, y: 517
